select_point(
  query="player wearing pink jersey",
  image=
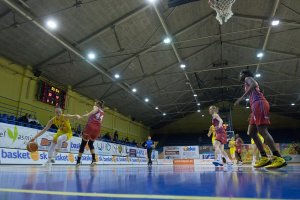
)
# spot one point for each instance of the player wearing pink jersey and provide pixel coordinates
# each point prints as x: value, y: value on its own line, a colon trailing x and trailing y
x: 91, y: 131
x: 259, y: 121
x: 221, y: 137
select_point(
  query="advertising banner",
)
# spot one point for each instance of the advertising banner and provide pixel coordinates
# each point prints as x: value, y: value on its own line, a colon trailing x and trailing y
x: 183, y: 161
x: 172, y: 152
x: 190, y: 152
x: 19, y: 156
x: 17, y: 137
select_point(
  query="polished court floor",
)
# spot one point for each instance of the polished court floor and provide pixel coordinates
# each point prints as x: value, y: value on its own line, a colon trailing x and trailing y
x: 142, y: 182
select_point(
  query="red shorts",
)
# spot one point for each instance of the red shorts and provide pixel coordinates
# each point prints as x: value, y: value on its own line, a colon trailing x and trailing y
x: 91, y: 132
x: 260, y: 113
x: 221, y: 135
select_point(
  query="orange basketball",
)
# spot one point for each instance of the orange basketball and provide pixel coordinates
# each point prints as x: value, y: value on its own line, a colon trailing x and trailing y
x: 32, y: 147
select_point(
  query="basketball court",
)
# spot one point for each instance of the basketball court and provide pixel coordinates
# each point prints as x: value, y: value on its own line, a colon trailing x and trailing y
x: 156, y: 182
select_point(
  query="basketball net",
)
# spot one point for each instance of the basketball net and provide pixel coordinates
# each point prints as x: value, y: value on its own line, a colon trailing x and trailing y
x: 223, y: 9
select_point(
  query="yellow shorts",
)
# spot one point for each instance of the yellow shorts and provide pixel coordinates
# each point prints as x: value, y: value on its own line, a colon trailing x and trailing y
x: 232, y: 151
x: 59, y: 133
x: 213, y: 140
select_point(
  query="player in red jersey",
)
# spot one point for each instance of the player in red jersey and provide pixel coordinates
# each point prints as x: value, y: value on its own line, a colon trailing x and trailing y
x: 238, y: 149
x: 91, y: 131
x: 221, y: 137
x: 259, y: 121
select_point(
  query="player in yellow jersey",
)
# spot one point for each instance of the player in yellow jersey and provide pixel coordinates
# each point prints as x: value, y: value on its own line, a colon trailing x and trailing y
x: 255, y: 147
x: 63, y: 134
x: 212, y: 132
x: 232, y: 148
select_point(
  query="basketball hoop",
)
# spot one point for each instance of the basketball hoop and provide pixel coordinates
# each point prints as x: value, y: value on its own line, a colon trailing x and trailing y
x: 223, y: 9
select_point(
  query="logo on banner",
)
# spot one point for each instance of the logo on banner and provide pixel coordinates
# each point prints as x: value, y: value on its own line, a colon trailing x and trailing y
x: 13, y: 135
x: 189, y: 148
x: 71, y: 157
x: 45, y: 142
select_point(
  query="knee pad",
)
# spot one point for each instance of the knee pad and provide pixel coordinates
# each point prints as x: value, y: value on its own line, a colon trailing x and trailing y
x: 91, y: 145
x: 82, y: 145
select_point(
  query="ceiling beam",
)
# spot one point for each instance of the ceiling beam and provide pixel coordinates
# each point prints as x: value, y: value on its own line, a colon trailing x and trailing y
x: 97, y: 33
x: 180, y: 61
x: 269, y: 30
x: 262, y: 18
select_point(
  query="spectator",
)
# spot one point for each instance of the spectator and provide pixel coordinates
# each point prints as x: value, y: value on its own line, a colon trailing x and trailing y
x: 78, y: 130
x: 24, y: 119
x: 116, y: 136
x: 33, y: 120
x: 126, y: 140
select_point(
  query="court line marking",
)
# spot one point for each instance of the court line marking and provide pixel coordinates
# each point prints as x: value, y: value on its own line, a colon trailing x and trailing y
x: 124, y: 196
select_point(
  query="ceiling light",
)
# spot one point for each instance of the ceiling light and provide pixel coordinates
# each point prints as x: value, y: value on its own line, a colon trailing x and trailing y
x: 117, y: 76
x: 182, y: 66
x: 247, y: 107
x: 156, y: 108
x: 257, y: 75
x: 198, y: 110
x: 164, y: 114
x: 198, y: 104
x: 146, y: 100
x: 275, y: 22
x: 134, y: 89
x: 91, y: 56
x: 202, y: 115
x: 247, y: 99
x: 195, y: 95
x: 51, y: 24
x: 167, y: 40
x: 152, y: 1
x: 292, y: 104
x: 260, y: 55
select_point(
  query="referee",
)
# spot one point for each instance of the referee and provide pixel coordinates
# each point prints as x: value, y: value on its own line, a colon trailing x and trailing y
x: 149, y: 145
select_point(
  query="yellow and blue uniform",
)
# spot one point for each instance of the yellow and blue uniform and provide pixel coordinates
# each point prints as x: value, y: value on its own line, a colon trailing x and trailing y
x: 213, y: 130
x: 64, y: 127
x: 232, y: 147
x: 260, y: 137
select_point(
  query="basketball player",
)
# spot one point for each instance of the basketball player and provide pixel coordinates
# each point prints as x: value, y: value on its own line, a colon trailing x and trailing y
x: 259, y: 121
x: 221, y: 137
x: 238, y: 149
x: 232, y: 148
x: 63, y: 134
x: 91, y: 131
x: 212, y: 132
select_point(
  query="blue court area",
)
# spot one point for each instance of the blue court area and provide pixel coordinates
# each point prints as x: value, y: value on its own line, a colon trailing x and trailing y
x: 142, y: 182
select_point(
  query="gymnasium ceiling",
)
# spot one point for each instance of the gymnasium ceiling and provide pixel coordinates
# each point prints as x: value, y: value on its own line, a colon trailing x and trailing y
x: 127, y: 35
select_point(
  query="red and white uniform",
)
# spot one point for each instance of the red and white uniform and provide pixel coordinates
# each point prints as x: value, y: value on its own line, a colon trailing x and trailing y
x: 93, y: 126
x: 260, y: 107
x: 221, y: 134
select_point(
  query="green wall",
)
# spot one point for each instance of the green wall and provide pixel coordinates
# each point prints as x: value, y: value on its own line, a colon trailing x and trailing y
x: 18, y: 89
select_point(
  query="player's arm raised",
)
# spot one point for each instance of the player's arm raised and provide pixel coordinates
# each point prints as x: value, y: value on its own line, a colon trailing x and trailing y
x: 47, y: 127
x: 252, y: 84
x: 94, y: 111
x: 72, y: 116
